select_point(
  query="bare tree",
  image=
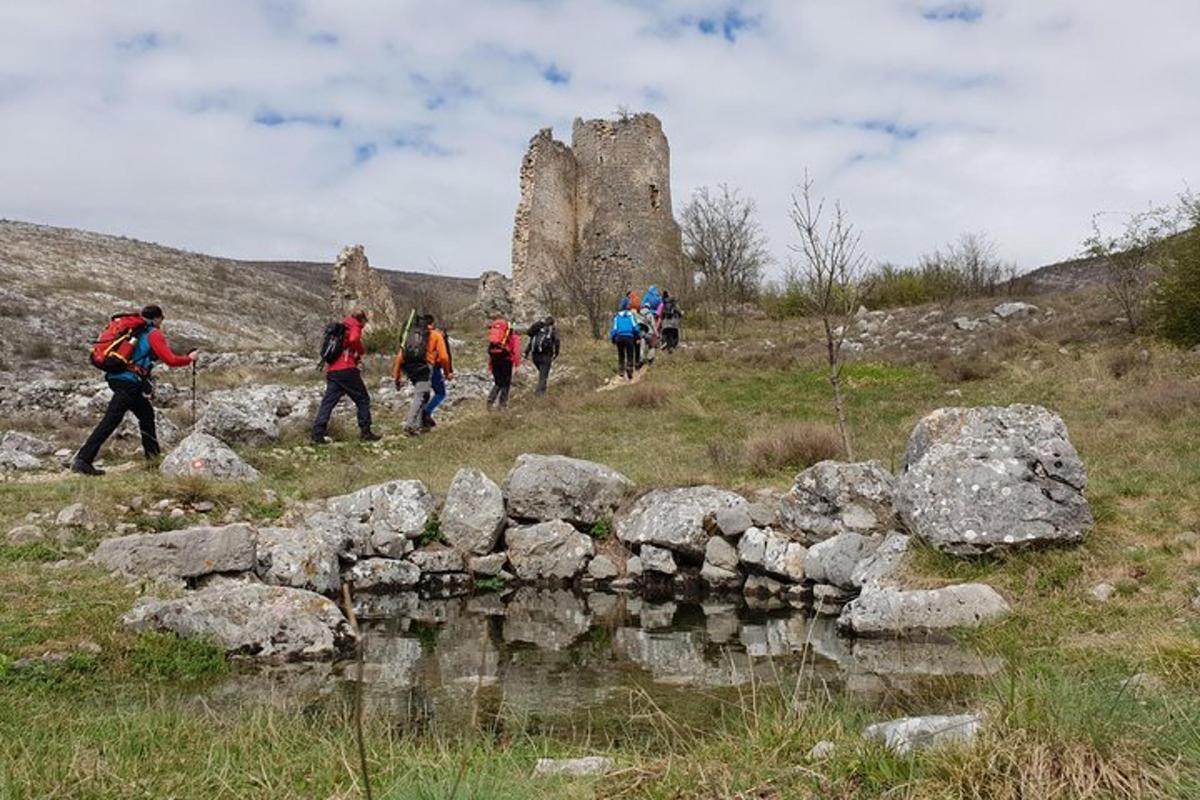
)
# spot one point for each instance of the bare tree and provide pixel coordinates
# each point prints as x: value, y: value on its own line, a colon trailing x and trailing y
x: 586, y: 287
x: 830, y: 273
x: 1130, y: 257
x: 724, y: 241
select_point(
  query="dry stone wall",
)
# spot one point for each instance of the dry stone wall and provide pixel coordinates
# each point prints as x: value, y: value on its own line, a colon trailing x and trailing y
x: 602, y: 204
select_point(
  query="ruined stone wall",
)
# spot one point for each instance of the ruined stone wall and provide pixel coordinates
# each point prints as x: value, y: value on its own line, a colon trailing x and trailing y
x: 545, y: 228
x: 624, y: 221
x: 602, y: 204
x: 356, y: 285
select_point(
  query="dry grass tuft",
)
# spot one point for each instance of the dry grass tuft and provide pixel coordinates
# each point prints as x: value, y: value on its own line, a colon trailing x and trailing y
x: 794, y: 446
x: 648, y: 395
x: 1122, y: 362
x: 965, y: 368
x: 1162, y: 400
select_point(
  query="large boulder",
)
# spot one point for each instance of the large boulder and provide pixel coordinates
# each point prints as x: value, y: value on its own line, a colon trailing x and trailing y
x: 547, y: 551
x: 205, y: 456
x: 18, y: 461
x: 300, y: 558
x: 188, y: 553
x: 473, y: 515
x: 674, y: 518
x: 25, y: 443
x: 884, y: 565
x: 978, y: 479
x: 238, y: 422
x: 833, y: 561
x: 382, y: 519
x: 832, y: 497
x: 546, y: 488
x: 268, y: 622
x: 889, y: 612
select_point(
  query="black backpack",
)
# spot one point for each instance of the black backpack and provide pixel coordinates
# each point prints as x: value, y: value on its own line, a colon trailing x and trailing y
x: 332, y: 342
x: 543, y: 341
x: 670, y: 310
x: 416, y: 345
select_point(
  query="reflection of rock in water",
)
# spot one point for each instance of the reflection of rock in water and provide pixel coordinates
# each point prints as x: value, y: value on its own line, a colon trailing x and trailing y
x: 550, y: 618
x: 677, y: 657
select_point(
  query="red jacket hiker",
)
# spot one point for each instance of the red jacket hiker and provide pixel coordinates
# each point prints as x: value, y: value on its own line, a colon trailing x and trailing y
x: 513, y: 346
x: 352, y: 346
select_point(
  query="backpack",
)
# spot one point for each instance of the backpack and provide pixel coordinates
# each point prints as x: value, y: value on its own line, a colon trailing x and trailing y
x: 543, y: 341
x: 114, y: 347
x: 670, y: 310
x: 416, y: 345
x: 332, y: 342
x: 498, y: 333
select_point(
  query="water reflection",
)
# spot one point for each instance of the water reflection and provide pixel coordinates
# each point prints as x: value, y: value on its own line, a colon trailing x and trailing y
x: 542, y: 652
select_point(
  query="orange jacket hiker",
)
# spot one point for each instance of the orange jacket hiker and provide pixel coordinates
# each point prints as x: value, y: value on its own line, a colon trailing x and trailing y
x: 436, y: 353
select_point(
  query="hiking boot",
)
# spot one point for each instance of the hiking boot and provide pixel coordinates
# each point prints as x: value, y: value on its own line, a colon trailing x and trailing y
x: 427, y: 421
x: 84, y: 468
x: 369, y: 436
x: 412, y: 432
x: 320, y: 440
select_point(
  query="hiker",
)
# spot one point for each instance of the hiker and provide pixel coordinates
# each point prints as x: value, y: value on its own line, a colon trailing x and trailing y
x: 652, y: 299
x: 625, y: 334
x: 648, y: 323
x: 671, y: 317
x: 441, y: 374
x: 423, y: 355
x: 543, y: 345
x: 127, y: 351
x: 504, y: 355
x: 343, y: 377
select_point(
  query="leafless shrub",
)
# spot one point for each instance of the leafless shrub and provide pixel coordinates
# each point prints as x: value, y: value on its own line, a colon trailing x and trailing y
x: 794, y: 446
x: 725, y: 243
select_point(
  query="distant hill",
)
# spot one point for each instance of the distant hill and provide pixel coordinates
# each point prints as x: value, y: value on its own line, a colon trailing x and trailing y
x: 57, y: 285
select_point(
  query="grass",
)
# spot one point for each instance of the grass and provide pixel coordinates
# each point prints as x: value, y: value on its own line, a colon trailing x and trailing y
x: 1060, y: 725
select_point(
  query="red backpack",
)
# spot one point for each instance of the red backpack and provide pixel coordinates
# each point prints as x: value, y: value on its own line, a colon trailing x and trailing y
x: 114, y: 348
x: 498, y: 338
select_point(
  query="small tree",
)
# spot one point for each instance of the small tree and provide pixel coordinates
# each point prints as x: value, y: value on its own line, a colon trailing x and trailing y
x: 829, y: 273
x: 1175, y: 302
x: 725, y: 243
x: 586, y: 288
x: 1130, y: 257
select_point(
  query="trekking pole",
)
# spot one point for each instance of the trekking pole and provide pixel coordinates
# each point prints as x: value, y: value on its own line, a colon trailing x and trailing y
x: 193, y: 395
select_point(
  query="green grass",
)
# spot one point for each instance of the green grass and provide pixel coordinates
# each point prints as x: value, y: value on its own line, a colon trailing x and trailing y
x: 130, y: 722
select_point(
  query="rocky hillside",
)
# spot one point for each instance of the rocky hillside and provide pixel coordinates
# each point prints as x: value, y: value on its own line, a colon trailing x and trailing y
x: 58, y: 284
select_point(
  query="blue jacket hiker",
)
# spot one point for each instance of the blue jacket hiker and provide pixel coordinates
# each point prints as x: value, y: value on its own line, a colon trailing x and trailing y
x: 625, y: 334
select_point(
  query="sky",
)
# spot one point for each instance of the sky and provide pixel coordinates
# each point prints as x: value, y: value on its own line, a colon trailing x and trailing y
x: 285, y: 129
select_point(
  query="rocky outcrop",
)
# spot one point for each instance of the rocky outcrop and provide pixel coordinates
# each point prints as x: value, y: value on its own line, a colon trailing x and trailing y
x: 883, y: 566
x: 891, y: 612
x: 545, y: 488
x: 204, y: 456
x: 547, y: 551
x: 674, y: 518
x: 473, y: 514
x: 833, y: 561
x: 357, y: 286
x: 266, y: 622
x: 832, y: 497
x: 978, y: 479
x: 186, y: 553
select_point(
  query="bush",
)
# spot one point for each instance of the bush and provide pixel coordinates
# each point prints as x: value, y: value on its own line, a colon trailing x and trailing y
x: 1175, y: 308
x: 383, y: 340
x: 648, y: 395
x: 965, y: 368
x: 1123, y: 362
x: 794, y: 446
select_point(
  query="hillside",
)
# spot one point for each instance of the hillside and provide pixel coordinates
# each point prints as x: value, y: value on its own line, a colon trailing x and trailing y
x: 58, y: 284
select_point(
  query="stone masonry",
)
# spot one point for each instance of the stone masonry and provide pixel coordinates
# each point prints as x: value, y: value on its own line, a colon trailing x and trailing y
x: 603, y: 204
x: 356, y: 285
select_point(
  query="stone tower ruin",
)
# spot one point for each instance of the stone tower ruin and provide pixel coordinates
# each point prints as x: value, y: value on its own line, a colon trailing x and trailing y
x: 356, y: 285
x: 603, y: 204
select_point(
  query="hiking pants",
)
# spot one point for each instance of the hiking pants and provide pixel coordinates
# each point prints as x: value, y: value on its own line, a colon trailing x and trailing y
x: 543, y: 367
x: 419, y: 404
x: 437, y: 383
x: 127, y: 396
x: 627, y: 353
x: 670, y: 338
x: 338, y: 383
x: 502, y: 370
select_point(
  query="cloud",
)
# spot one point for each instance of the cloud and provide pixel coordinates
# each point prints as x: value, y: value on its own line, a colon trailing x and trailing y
x: 288, y: 128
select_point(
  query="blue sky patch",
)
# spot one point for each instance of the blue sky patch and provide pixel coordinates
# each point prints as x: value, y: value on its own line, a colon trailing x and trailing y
x: 727, y: 25
x: 555, y: 74
x: 890, y: 127
x: 418, y: 138
x: 954, y: 12
x: 142, y: 42
x: 273, y: 119
x: 365, y: 152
